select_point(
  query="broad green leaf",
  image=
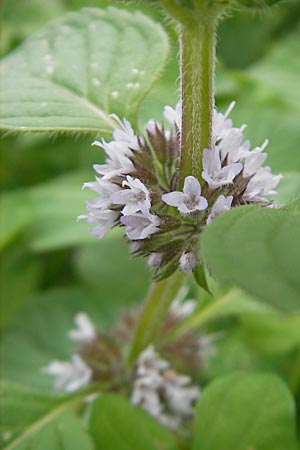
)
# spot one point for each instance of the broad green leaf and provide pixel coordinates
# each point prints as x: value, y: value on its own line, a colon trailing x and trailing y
x: 279, y: 70
x: 269, y: 103
x: 16, y: 213
x: 79, y: 69
x: 268, y: 118
x: 57, y: 204
x: 258, y: 250
x: 48, y: 212
x: 39, y: 334
x: 257, y: 4
x: 20, y: 275
x: 100, y: 264
x: 115, y: 424
x: 244, y: 412
x: 13, y: 26
x: 288, y: 189
x: 270, y: 332
x: 34, y: 420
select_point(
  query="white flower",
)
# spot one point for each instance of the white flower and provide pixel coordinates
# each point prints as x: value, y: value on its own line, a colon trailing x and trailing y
x: 221, y: 205
x: 173, y: 116
x: 105, y: 189
x: 147, y: 398
x: 104, y: 219
x: 183, y: 309
x: 180, y: 395
x: 118, y: 162
x: 214, y: 174
x: 254, y: 159
x: 221, y: 123
x: 189, y: 200
x: 149, y: 361
x: 70, y: 376
x: 141, y: 225
x: 261, y: 185
x: 135, y: 198
x: 125, y: 133
x: 157, y: 389
x: 187, y: 261
x: 85, y: 331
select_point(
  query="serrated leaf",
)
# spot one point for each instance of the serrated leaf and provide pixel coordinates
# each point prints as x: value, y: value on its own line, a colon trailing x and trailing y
x: 244, y: 412
x: 115, y: 424
x: 80, y: 68
x: 258, y: 250
x: 34, y: 420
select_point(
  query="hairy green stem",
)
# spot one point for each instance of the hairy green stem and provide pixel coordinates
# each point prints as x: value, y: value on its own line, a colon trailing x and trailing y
x: 198, y: 42
x: 157, y: 303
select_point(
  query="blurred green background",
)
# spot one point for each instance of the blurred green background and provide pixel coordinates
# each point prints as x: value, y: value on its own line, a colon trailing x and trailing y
x: 52, y: 267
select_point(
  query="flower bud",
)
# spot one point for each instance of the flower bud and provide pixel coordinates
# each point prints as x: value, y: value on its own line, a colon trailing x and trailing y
x: 187, y: 261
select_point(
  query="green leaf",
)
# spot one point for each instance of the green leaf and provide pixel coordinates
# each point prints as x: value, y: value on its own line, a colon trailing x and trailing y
x: 33, y: 420
x: 57, y: 203
x: 19, y: 277
x: 258, y: 250
x: 48, y: 212
x: 244, y: 412
x: 16, y: 213
x: 257, y: 4
x: 98, y: 266
x: 80, y: 68
x: 288, y: 189
x: 115, y: 424
x: 270, y: 332
x: 39, y: 334
x: 279, y: 70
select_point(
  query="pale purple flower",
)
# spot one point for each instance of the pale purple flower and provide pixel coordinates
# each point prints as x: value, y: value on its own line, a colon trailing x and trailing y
x: 125, y: 133
x: 221, y: 123
x: 135, y: 198
x: 182, y: 309
x: 118, y: 162
x: 105, y: 189
x: 161, y: 391
x: 103, y: 219
x: 189, y: 200
x: 70, y: 376
x: 85, y: 331
x: 149, y: 361
x: 261, y: 185
x: 221, y: 205
x: 180, y: 394
x: 254, y: 159
x: 187, y: 261
x: 173, y: 116
x: 141, y: 224
x: 155, y: 259
x: 214, y: 174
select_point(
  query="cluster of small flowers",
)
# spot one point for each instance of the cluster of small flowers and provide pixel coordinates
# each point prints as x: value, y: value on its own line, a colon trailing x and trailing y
x: 155, y: 384
x: 161, y: 391
x: 138, y: 185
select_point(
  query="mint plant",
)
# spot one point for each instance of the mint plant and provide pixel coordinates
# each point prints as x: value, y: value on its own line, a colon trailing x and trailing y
x: 210, y: 358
